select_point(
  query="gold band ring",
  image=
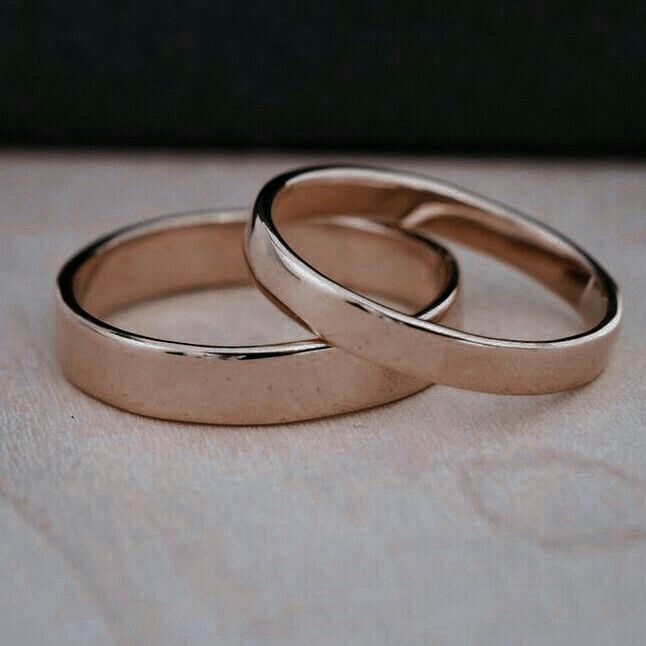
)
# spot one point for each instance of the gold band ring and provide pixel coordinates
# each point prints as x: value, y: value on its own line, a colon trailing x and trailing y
x: 234, y: 384
x: 425, y: 349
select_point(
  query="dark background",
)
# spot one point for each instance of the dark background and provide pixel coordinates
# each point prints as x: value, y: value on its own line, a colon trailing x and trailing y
x: 543, y: 77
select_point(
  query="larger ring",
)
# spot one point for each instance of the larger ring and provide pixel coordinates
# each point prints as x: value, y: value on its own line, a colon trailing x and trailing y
x: 233, y: 385
x: 421, y: 348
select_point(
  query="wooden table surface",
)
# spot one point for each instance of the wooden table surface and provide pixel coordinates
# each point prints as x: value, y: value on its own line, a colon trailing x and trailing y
x: 447, y: 518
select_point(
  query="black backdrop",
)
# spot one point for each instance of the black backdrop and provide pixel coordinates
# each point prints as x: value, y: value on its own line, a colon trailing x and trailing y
x: 561, y: 77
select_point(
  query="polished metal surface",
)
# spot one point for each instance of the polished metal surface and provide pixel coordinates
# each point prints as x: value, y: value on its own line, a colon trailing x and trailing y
x: 425, y: 349
x: 255, y: 384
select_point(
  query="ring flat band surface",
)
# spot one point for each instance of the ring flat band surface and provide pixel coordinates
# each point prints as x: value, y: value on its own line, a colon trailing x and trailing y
x: 235, y: 385
x: 425, y: 349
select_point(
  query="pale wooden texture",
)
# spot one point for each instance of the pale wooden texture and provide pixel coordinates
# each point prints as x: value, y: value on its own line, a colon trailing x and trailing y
x: 448, y: 518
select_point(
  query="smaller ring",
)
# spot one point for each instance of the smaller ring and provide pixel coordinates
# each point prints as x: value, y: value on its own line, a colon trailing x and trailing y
x: 240, y: 385
x: 425, y: 349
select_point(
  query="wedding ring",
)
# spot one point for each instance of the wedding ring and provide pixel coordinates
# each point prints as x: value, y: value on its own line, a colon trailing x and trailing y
x: 255, y: 384
x: 425, y: 349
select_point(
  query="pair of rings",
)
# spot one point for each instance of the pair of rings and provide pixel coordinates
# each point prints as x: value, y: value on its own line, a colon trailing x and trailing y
x: 332, y: 247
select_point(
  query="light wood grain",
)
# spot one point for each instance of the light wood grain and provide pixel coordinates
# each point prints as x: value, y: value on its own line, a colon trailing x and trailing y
x: 448, y: 518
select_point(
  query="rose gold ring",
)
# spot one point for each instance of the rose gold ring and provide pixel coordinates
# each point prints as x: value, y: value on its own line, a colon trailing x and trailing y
x: 246, y: 384
x: 425, y: 349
